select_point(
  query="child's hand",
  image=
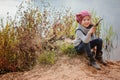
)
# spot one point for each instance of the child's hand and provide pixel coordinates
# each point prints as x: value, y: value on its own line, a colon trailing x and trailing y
x: 92, y: 30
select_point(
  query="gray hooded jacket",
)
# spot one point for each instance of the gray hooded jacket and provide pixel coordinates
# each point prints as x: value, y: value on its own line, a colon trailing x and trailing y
x: 80, y: 36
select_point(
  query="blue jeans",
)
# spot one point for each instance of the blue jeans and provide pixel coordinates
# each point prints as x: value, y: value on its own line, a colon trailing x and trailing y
x: 86, y: 47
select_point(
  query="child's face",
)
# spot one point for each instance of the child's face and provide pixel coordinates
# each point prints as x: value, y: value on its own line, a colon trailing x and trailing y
x: 86, y: 21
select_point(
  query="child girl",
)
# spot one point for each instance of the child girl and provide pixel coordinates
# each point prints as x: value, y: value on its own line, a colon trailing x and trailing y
x: 85, y: 39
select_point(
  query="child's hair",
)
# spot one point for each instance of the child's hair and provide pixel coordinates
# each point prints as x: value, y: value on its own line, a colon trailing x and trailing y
x: 81, y: 15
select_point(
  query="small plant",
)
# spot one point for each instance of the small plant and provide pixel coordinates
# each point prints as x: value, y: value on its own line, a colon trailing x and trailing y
x: 108, y: 38
x: 72, y: 30
x: 47, y: 57
x: 68, y: 49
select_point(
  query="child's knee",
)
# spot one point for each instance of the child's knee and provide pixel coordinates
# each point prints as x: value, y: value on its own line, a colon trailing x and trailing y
x: 100, y: 40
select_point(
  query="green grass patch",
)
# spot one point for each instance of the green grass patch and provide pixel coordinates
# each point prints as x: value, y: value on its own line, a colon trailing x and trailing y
x: 47, y: 57
x: 68, y: 49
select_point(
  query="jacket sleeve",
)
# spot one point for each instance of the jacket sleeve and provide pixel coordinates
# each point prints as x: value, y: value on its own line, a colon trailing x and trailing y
x: 84, y: 38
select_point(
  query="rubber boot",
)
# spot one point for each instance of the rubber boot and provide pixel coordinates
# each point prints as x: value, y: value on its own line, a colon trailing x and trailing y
x: 94, y: 64
x: 100, y: 58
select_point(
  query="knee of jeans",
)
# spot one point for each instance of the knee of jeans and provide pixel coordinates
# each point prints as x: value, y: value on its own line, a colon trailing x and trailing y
x: 100, y: 40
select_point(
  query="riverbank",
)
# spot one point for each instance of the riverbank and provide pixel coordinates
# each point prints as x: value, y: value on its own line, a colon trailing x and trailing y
x: 67, y: 68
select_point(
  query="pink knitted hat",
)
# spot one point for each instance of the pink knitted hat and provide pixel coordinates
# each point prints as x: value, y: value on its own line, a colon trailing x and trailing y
x: 81, y: 15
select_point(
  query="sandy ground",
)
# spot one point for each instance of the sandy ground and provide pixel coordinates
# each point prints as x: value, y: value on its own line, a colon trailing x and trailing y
x: 67, y: 68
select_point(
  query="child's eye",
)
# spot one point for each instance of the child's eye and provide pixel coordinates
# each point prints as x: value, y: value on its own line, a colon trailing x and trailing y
x: 85, y: 19
x: 88, y: 19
